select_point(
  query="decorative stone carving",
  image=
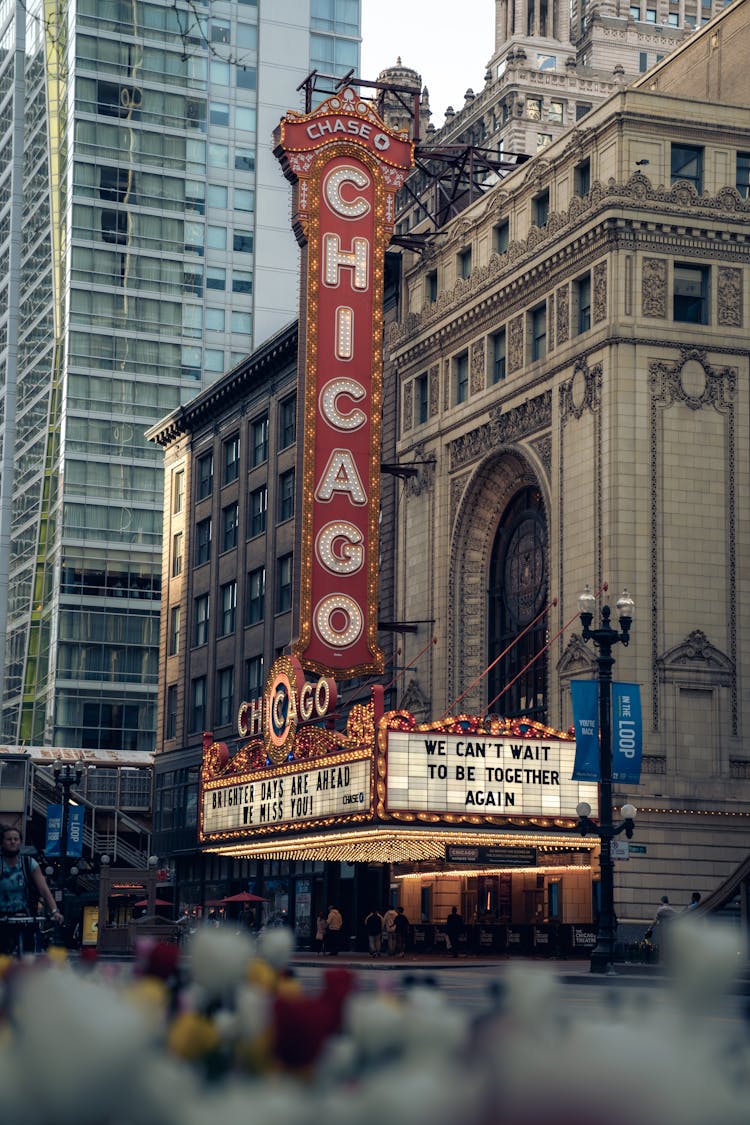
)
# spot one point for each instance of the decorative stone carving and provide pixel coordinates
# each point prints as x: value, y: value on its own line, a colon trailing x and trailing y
x: 693, y: 381
x: 582, y: 392
x: 434, y: 390
x: 551, y: 322
x: 563, y: 315
x: 476, y: 377
x: 696, y: 660
x: 729, y: 297
x: 424, y: 481
x: 415, y: 702
x: 502, y: 429
x: 408, y: 406
x: 653, y: 763
x: 543, y: 449
x: 458, y: 487
x: 515, y: 344
x: 600, y: 292
x: 654, y: 287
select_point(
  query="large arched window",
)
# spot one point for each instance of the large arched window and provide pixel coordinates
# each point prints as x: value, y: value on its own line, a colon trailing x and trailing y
x: 517, y: 594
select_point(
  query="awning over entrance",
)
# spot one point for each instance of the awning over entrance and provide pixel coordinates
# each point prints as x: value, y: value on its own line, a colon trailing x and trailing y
x: 400, y: 845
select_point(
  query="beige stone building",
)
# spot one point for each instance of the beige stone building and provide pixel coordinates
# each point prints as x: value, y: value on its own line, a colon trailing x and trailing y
x: 572, y: 367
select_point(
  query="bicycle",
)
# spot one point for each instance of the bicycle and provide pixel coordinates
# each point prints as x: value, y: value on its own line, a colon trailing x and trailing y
x: 23, y: 935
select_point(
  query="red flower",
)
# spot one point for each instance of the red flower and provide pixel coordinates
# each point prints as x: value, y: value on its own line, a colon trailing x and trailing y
x: 301, y: 1024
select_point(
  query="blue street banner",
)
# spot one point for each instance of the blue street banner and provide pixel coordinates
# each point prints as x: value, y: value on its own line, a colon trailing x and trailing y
x: 627, y: 733
x: 585, y: 697
x: 54, y: 830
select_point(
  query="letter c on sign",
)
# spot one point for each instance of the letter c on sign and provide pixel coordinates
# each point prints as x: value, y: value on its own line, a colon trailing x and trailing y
x: 338, y: 620
x: 329, y: 406
x: 332, y: 192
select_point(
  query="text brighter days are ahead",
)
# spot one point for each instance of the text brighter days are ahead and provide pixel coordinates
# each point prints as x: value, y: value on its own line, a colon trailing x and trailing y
x: 479, y: 774
x: 334, y: 790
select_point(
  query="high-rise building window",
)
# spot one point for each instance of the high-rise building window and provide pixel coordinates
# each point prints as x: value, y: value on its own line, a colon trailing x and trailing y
x: 284, y: 583
x: 242, y: 241
x: 177, y: 548
x: 230, y: 520
x: 216, y: 277
x: 175, y: 619
x: 205, y: 475
x: 258, y: 508
x: 286, y: 495
x: 224, y: 696
x: 463, y: 263
x: 582, y: 178
x: 500, y: 236
x: 743, y: 174
x: 228, y: 608
x: 201, y: 619
x: 687, y: 164
x: 691, y: 290
x: 231, y: 459
x: 460, y: 378
x: 288, y: 422
x: 540, y: 209
x: 498, y: 356
x: 170, y: 724
x: 431, y: 283
x: 256, y: 595
x: 260, y: 440
x: 254, y: 677
x: 538, y: 332
x: 421, y: 394
x: 198, y: 704
x: 582, y: 296
x: 178, y: 492
x: 203, y: 542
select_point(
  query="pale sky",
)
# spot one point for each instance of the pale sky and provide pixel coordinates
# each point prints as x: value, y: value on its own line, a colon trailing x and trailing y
x: 448, y: 42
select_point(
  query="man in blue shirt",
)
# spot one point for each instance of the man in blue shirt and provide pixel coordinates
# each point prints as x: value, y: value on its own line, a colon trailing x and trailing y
x: 17, y: 897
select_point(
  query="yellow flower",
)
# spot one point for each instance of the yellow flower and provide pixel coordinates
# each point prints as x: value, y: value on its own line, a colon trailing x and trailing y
x: 191, y: 1036
x: 289, y: 987
x: 57, y: 954
x: 149, y: 994
x: 261, y: 974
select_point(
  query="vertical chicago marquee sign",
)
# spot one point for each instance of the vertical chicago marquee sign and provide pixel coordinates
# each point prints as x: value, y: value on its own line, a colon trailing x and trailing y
x: 346, y: 166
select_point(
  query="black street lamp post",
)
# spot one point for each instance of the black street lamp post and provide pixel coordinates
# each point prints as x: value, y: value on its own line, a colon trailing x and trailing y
x: 66, y: 776
x: 605, y: 638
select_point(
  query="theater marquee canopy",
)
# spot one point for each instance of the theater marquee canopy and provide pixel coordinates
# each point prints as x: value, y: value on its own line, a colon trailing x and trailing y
x: 387, y: 789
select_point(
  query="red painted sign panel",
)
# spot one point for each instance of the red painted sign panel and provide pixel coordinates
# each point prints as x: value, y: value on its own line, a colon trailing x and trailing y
x: 346, y: 166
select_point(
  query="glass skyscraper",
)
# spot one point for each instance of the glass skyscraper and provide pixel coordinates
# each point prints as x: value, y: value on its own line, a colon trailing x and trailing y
x: 145, y: 248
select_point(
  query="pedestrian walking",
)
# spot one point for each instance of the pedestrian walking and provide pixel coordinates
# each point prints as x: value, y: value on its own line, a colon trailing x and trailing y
x: 334, y: 923
x: 454, y: 925
x: 695, y: 899
x: 401, y: 926
x: 664, y: 912
x: 389, y: 930
x: 22, y: 884
x: 374, y: 930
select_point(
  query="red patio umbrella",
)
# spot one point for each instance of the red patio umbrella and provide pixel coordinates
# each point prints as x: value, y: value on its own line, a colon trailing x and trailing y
x: 157, y: 902
x: 243, y: 896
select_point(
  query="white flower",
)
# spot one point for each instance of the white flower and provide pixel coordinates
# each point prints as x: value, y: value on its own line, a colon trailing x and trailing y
x: 276, y: 946
x: 219, y: 960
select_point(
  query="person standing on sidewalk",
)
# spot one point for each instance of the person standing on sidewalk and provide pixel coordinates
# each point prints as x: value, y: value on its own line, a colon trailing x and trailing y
x: 334, y: 922
x: 454, y: 925
x: 389, y: 930
x: 374, y: 930
x: 401, y: 926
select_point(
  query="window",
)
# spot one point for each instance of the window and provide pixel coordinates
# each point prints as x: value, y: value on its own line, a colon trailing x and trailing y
x: 673, y: 19
x: 242, y: 281
x: 224, y: 696
x: 260, y: 440
x: 246, y: 77
x: 538, y: 319
x: 534, y: 109
x: 244, y: 161
x: 247, y: 36
x: 228, y: 608
x: 286, y: 496
x: 218, y: 113
x: 288, y: 422
x: 177, y: 548
x: 582, y: 108
x: 230, y: 520
x: 463, y: 263
x: 500, y: 235
x: 743, y: 173
x: 540, y: 209
x: 175, y: 617
x: 215, y: 319
x: 421, y: 395
x: 256, y: 595
x: 201, y: 619
x: 205, y: 475
x: 242, y: 240
x: 555, y: 113
x: 244, y: 199
x: 218, y: 196
x: 242, y: 323
x: 216, y: 238
x: 214, y: 359
x: 687, y: 164
x: 635, y: 11
x: 216, y: 278
x: 690, y: 301
x: 284, y: 584
x: 582, y: 294
x: 582, y: 178
x: 543, y: 140
x: 642, y: 62
x: 546, y: 62
x: 254, y: 677
x: 198, y: 704
x: 431, y: 283
x: 231, y: 459
x: 178, y: 492
x: 650, y: 15
x: 220, y: 31
x: 498, y: 356
x: 203, y: 541
x: 258, y: 506
x: 461, y: 378
x: 171, y: 716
